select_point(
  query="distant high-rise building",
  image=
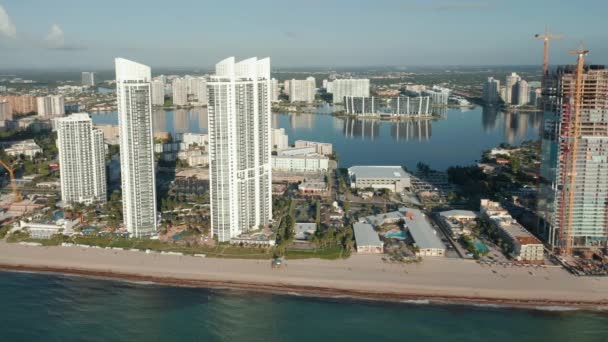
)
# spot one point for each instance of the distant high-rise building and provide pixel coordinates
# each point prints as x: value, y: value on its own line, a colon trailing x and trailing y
x: 535, y: 96
x: 239, y: 146
x: 302, y: 90
x: 180, y: 93
x: 88, y: 79
x: 274, y: 90
x: 521, y: 93
x: 573, y: 199
x: 439, y: 95
x: 279, y: 139
x: 6, y: 112
x: 81, y: 160
x: 510, y: 84
x: 349, y: 87
x: 50, y: 105
x: 133, y: 95
x: 325, y: 82
x: 491, y: 91
x: 158, y: 93
x: 199, y: 86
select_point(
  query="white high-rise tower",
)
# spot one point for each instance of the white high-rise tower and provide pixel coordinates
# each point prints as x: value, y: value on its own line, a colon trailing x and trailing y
x: 81, y: 160
x: 240, y: 147
x: 133, y: 95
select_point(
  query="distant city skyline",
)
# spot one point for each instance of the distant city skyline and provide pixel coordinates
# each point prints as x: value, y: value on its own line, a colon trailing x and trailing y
x: 333, y: 33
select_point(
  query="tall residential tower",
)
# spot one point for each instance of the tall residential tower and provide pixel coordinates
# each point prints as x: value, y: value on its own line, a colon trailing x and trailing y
x: 133, y: 95
x: 81, y: 160
x: 573, y: 200
x: 240, y: 146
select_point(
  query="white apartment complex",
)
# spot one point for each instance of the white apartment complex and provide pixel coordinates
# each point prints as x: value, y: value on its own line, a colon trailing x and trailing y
x: 279, y: 139
x: 158, y: 93
x: 81, y: 160
x: 349, y: 87
x: 133, y: 95
x: 311, y: 162
x: 325, y: 149
x: 180, y: 93
x: 302, y: 90
x: 50, y: 105
x: 239, y: 146
x: 274, y: 90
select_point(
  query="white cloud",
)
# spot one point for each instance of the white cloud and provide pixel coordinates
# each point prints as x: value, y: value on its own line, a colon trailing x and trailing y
x: 7, y: 28
x: 55, y: 38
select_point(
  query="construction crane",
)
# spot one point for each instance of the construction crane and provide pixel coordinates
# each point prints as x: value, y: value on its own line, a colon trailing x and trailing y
x: 546, y: 37
x: 11, y: 173
x: 572, y: 150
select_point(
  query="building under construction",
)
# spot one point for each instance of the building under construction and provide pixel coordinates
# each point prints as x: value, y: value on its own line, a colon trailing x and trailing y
x: 573, y: 201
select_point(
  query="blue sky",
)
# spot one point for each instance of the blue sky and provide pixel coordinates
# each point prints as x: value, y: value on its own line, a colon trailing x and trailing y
x: 332, y: 33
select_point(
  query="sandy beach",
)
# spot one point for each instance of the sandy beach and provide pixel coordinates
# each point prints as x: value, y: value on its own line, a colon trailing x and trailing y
x: 361, y: 276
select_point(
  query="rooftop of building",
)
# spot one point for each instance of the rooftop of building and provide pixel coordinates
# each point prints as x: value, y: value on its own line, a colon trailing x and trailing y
x: 380, y: 219
x: 304, y: 227
x: 421, y: 230
x: 195, y: 172
x: 310, y: 155
x: 458, y: 213
x: 365, y: 235
x: 395, y: 172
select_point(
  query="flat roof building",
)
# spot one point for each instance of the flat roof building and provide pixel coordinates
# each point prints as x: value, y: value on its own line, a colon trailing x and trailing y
x: 424, y: 235
x: 525, y: 247
x: 311, y: 162
x: 393, y: 178
x: 367, y: 240
x: 303, y: 230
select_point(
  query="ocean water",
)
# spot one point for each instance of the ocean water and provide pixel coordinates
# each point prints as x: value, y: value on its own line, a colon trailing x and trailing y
x: 42, y: 307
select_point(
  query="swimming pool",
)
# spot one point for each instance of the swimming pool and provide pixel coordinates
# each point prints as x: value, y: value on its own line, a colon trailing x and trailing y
x: 481, y: 247
x: 395, y: 235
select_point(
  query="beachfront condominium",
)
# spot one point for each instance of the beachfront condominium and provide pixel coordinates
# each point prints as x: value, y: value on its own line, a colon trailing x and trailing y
x: 50, y: 105
x: 573, y: 199
x: 133, y: 95
x: 81, y: 160
x: 158, y: 92
x: 491, y: 91
x: 180, y: 92
x: 88, y: 79
x: 239, y: 146
x: 349, y: 87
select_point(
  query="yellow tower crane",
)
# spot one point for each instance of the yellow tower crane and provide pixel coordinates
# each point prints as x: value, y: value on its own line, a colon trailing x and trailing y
x: 574, y: 127
x: 11, y: 173
x: 546, y: 37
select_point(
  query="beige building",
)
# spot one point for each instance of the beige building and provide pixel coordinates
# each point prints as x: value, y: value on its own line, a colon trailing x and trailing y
x: 20, y: 104
x: 525, y: 247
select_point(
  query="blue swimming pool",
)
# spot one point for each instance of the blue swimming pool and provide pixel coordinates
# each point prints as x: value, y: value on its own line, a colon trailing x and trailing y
x: 481, y: 247
x: 395, y: 235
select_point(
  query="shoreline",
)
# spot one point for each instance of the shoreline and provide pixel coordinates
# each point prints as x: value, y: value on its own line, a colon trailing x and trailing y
x: 364, y: 277
x: 317, y: 292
